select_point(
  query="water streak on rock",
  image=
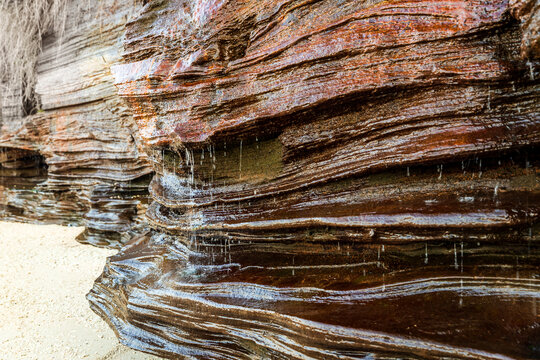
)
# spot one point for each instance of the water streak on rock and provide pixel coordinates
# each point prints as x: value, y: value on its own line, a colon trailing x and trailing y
x: 334, y: 179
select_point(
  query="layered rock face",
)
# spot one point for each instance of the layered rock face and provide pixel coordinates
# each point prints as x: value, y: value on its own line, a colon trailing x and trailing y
x: 95, y: 172
x: 267, y: 100
x: 528, y: 12
x: 334, y: 179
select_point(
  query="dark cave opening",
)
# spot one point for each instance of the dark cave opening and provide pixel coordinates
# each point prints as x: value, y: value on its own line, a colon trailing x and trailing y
x: 21, y: 166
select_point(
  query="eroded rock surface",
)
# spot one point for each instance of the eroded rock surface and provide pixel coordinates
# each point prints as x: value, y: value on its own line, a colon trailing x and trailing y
x: 528, y: 12
x: 96, y: 173
x: 334, y: 179
x: 212, y: 297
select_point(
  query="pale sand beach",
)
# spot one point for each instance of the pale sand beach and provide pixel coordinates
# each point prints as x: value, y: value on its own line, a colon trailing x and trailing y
x: 44, y: 277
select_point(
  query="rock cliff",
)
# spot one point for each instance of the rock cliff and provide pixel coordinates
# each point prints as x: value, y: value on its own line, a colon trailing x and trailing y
x: 81, y: 137
x: 324, y: 171
x: 328, y: 178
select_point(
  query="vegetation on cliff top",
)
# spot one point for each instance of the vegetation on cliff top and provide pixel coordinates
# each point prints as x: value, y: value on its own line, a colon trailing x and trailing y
x: 22, y: 24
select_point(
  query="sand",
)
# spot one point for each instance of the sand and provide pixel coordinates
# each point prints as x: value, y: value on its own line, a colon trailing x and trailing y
x: 44, y: 277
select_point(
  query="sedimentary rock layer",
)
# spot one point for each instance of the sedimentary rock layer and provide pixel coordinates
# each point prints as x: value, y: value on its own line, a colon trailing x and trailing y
x: 96, y: 170
x: 334, y: 179
x: 217, y: 298
x: 236, y: 66
x: 248, y: 107
x: 528, y: 12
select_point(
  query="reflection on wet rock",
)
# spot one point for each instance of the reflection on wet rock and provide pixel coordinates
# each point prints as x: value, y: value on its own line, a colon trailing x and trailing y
x: 210, y: 297
x: 333, y: 179
x: 112, y: 212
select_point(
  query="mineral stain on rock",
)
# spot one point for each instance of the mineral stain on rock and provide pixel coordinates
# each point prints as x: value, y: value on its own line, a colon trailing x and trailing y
x: 330, y: 179
x: 333, y: 180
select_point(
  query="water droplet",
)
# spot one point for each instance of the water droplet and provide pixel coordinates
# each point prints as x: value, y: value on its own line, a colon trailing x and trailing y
x: 455, y: 257
x: 531, y: 70
x: 461, y: 256
x: 240, y: 161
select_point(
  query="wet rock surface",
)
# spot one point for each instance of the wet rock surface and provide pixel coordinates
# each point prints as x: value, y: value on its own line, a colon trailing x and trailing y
x: 417, y: 265
x: 304, y: 179
x: 528, y: 12
x: 332, y: 180
x: 209, y: 297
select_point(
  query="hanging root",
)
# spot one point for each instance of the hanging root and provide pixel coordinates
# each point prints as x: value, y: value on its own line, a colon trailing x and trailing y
x: 22, y: 26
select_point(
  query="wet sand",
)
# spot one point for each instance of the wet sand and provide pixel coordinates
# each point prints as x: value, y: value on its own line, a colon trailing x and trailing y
x: 44, y: 277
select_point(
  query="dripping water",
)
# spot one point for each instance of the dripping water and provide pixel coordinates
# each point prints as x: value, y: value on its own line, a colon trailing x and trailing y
x: 480, y: 168
x: 462, y: 256
x: 240, y: 162
x: 531, y: 70
x: 455, y: 257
